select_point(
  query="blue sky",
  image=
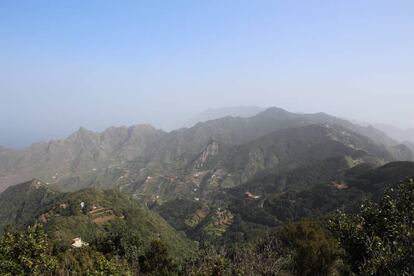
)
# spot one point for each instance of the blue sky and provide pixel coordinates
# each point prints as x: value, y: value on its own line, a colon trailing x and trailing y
x: 65, y: 64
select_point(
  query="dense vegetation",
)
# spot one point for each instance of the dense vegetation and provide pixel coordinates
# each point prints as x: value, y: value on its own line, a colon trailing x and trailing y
x: 376, y: 240
x: 245, y: 218
x: 88, y: 214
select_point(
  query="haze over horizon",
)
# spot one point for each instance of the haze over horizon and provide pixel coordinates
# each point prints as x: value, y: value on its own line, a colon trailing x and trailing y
x: 89, y: 63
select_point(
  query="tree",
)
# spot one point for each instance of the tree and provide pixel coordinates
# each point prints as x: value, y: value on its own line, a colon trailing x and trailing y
x: 87, y: 261
x: 156, y: 261
x: 378, y: 240
x: 121, y: 243
x: 26, y: 253
x: 258, y: 257
x: 313, y: 249
x: 208, y: 262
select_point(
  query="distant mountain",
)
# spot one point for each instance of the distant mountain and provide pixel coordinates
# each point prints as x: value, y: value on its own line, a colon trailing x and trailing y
x: 410, y: 145
x: 397, y: 133
x: 81, y: 153
x: 176, y: 171
x: 143, y: 160
x: 230, y: 130
x: 87, y: 213
x: 216, y: 113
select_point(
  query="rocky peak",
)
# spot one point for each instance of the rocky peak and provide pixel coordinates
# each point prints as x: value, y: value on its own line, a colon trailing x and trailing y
x: 276, y: 113
x: 81, y: 134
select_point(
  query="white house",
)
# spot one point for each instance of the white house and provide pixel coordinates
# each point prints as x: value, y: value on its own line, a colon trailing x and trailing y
x: 78, y: 243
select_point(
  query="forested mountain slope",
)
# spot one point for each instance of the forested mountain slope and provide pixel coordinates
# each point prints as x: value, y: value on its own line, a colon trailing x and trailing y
x: 88, y: 214
x: 244, y: 212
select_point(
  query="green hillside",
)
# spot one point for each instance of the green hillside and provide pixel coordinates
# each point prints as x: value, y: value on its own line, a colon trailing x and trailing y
x: 89, y: 214
x: 21, y: 204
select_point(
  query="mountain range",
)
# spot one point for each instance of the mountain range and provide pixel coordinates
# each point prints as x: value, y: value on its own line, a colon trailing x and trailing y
x: 126, y: 157
x: 229, y: 180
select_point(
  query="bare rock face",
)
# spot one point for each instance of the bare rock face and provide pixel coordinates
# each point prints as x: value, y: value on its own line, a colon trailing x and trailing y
x: 209, y: 153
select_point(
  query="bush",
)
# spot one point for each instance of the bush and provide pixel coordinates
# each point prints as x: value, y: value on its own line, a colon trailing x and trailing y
x: 313, y: 249
x: 378, y: 240
x: 156, y: 261
x: 26, y: 253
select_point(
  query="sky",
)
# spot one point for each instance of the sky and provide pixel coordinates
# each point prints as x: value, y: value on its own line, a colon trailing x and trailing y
x: 98, y: 63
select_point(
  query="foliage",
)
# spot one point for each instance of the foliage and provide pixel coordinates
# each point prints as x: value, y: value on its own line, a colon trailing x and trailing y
x: 157, y: 261
x: 209, y: 261
x: 121, y: 243
x: 26, y: 253
x: 86, y: 261
x: 260, y: 257
x: 314, y: 250
x: 378, y: 240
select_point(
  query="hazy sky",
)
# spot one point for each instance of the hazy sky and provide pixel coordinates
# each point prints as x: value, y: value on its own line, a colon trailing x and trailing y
x: 65, y: 64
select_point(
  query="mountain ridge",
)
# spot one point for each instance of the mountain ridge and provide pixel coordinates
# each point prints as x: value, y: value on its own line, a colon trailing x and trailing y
x: 85, y: 155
